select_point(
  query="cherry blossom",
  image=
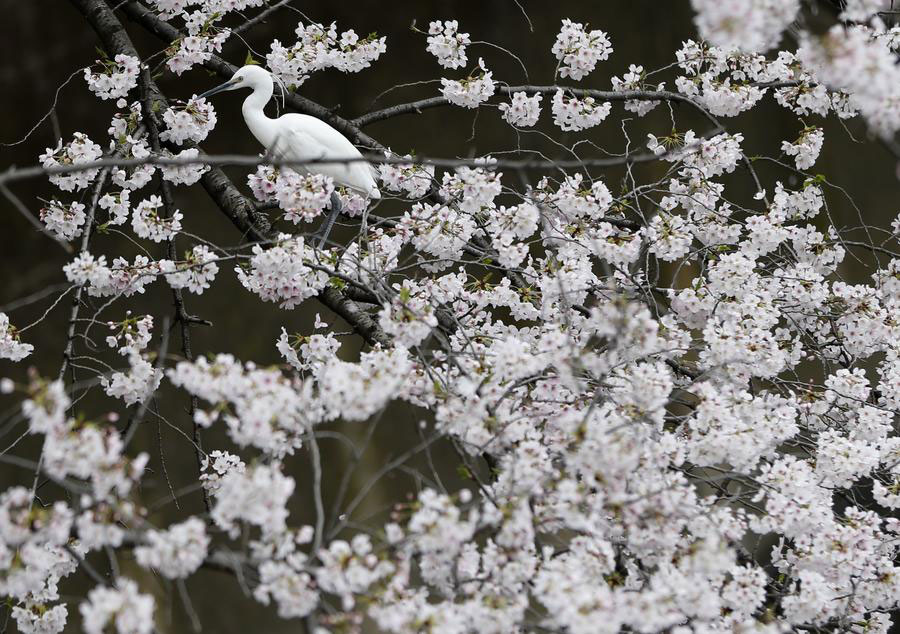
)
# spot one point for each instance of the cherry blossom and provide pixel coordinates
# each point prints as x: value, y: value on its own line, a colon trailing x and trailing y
x: 257, y: 496
x: 187, y: 174
x: 283, y: 273
x: 835, y: 58
x: 191, y: 122
x: 80, y: 150
x: 294, y: 591
x: 131, y: 335
x: 204, y: 38
x: 634, y: 80
x: 318, y: 48
x: 136, y: 385
x: 472, y: 91
x: 571, y: 113
x: 415, y: 180
x: 37, y: 619
x: 447, y: 44
x: 102, y: 280
x: 303, y: 197
x: 148, y: 222
x: 578, y: 50
x: 260, y: 407
x: 805, y: 150
x: 64, y: 221
x: 129, y: 140
x: 117, y: 204
x: 170, y: 8
x: 222, y: 463
x: 755, y: 25
x: 195, y: 273
x: 522, y: 110
x: 118, y: 78
x: 122, y: 609
x: 862, y: 10
x: 176, y: 552
x: 11, y: 346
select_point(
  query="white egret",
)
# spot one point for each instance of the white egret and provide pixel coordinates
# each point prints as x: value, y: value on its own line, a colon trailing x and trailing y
x: 300, y: 137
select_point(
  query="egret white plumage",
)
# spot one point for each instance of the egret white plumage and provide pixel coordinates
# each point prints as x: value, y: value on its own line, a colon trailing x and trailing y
x: 300, y: 137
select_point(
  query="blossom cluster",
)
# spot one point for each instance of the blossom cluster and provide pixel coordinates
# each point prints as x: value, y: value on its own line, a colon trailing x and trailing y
x: 128, y: 140
x: 177, y: 551
x: 287, y: 273
x: 447, y: 44
x: 847, y: 69
x: 123, y: 608
x: 805, y: 149
x: 66, y: 222
x: 302, y: 197
x: 633, y: 80
x: 188, y: 172
x: 260, y: 407
x: 195, y: 273
x: 193, y: 50
x: 522, y: 110
x: 835, y: 60
x: 578, y: 50
x: 572, y: 113
x: 191, y: 122
x: 414, y: 180
x: 11, y: 347
x: 117, y: 206
x: 204, y: 36
x: 319, y: 47
x: 116, y: 80
x: 80, y: 150
x: 471, y: 91
x: 752, y: 25
x: 149, y: 222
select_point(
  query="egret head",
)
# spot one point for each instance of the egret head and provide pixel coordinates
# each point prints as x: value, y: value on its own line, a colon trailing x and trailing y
x: 250, y: 76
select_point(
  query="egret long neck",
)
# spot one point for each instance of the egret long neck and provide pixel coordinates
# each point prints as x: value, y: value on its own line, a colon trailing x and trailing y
x: 260, y: 125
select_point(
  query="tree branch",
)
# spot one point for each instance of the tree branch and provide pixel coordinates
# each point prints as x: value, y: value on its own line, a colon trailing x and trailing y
x: 251, y: 160
x: 605, y: 95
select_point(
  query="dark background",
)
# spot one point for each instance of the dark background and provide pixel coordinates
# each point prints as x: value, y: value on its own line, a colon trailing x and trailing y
x: 45, y: 41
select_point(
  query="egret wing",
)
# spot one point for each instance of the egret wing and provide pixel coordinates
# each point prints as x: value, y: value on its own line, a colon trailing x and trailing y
x: 313, y: 138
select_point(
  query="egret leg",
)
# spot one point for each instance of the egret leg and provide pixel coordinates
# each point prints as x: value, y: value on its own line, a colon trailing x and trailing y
x: 335, y: 211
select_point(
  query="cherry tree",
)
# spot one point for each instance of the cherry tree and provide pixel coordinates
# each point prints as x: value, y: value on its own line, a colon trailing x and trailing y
x: 670, y: 411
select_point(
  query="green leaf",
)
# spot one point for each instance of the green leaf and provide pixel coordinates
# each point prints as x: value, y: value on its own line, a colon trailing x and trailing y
x: 250, y: 60
x: 818, y: 179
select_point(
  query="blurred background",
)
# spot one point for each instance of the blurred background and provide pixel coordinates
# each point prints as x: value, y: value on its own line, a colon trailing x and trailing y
x: 45, y: 43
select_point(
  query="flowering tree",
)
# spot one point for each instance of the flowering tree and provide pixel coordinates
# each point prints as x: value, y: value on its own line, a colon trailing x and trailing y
x: 671, y: 412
